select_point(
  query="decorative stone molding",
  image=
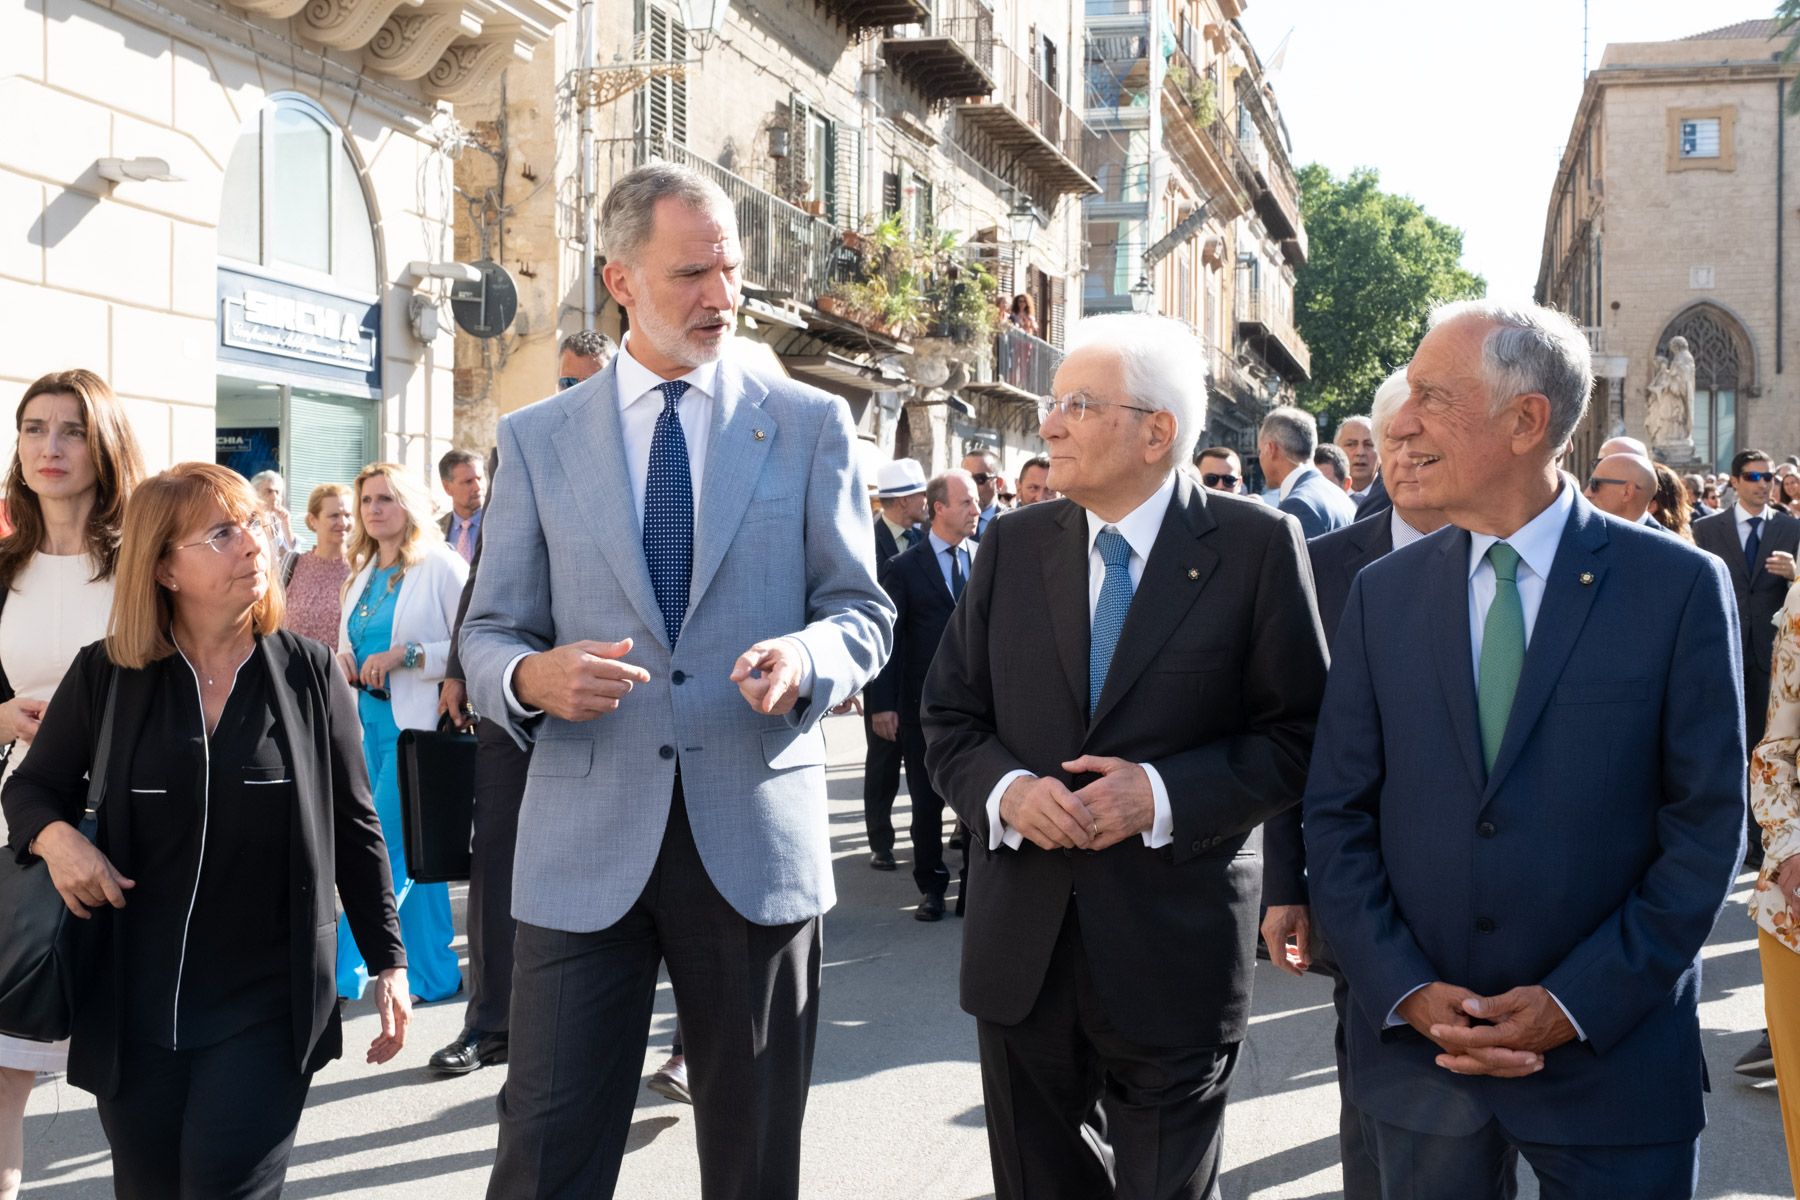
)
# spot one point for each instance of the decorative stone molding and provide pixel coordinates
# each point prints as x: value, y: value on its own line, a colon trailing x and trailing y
x: 344, y: 24
x: 275, y: 9
x: 409, y: 44
x: 471, y: 65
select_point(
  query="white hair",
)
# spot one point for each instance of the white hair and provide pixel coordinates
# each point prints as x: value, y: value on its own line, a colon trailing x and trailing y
x: 262, y: 477
x: 1531, y: 349
x: 1164, y: 367
x: 1388, y: 398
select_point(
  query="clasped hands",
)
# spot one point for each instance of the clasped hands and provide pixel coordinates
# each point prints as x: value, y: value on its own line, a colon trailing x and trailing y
x: 1112, y: 808
x: 584, y: 680
x: 1523, y: 1025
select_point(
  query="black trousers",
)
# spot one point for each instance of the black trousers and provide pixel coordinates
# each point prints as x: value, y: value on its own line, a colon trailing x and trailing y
x: 582, y: 1001
x: 500, y: 768
x: 215, y: 1123
x: 881, y: 783
x: 1362, y: 1177
x: 929, y: 871
x: 1077, y: 1111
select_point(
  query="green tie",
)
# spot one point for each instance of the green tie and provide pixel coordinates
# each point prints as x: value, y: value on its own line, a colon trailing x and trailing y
x: 1502, y: 651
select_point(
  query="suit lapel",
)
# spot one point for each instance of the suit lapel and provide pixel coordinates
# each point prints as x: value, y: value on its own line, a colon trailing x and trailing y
x: 1373, y: 544
x: 591, y: 445
x: 742, y: 435
x: 1576, y: 576
x: 1453, y: 650
x: 1174, y: 576
x: 933, y: 574
x: 1724, y: 536
x: 1065, y: 568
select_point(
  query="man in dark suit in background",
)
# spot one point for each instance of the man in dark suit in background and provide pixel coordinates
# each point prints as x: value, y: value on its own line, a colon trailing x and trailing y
x: 1337, y: 558
x: 900, y: 488
x: 1500, y: 825
x: 924, y: 583
x: 1125, y: 692
x: 463, y: 479
x: 1288, y: 438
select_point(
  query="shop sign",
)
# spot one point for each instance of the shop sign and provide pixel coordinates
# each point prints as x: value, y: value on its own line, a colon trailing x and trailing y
x: 270, y: 317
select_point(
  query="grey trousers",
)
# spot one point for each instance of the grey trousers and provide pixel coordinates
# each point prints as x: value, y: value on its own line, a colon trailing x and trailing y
x: 581, y: 1011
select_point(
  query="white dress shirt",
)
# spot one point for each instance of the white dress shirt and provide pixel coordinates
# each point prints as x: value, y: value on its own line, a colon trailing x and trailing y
x: 1536, y: 543
x: 1139, y: 528
x: 1743, y: 522
x: 1404, y: 534
x: 964, y: 549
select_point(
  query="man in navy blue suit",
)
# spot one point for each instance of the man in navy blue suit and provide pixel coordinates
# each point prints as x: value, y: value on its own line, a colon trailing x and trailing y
x: 1286, y: 443
x: 925, y: 583
x: 1515, y: 862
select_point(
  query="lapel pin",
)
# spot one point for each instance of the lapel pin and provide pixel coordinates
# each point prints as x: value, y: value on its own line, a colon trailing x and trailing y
x: 1587, y: 577
x: 759, y: 434
x: 1193, y: 572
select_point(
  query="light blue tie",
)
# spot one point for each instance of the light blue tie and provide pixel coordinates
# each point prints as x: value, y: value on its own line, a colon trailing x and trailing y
x: 1109, y: 613
x: 669, y: 513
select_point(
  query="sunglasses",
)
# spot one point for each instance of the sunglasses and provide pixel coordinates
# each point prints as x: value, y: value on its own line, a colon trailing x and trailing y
x: 376, y: 693
x: 1213, y: 481
x: 982, y: 478
x: 566, y: 382
x: 1757, y: 476
x: 1593, y: 484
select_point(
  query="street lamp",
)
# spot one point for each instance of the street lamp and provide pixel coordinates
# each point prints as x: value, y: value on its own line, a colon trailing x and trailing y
x: 1143, y: 296
x: 705, y: 20
x: 1024, y: 220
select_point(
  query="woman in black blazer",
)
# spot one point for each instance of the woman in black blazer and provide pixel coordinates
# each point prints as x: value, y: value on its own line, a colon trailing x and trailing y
x: 235, y: 801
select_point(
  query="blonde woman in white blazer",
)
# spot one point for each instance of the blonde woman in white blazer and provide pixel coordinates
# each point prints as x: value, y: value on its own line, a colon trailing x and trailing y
x: 393, y: 640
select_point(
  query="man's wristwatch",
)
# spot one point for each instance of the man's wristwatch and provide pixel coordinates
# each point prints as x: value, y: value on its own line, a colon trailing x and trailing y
x: 415, y: 655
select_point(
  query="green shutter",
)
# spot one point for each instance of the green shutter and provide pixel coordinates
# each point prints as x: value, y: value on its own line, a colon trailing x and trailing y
x: 330, y: 439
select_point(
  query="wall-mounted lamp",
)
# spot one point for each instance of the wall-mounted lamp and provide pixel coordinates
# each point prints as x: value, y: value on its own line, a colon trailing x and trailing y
x: 137, y: 170
x: 418, y: 272
x: 778, y: 143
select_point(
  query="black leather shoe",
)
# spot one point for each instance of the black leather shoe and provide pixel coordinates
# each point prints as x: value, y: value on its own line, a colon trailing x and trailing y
x: 882, y: 860
x: 931, y: 908
x: 471, y: 1051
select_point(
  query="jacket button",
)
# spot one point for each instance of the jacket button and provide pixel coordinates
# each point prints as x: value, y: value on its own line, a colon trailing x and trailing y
x: 1199, y: 846
x: 667, y: 752
x: 1485, y: 829
x: 678, y: 677
x: 1484, y: 925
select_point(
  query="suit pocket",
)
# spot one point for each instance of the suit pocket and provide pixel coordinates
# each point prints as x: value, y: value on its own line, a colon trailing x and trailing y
x: 565, y: 758
x: 1602, y: 691
x: 785, y: 749
x: 771, y: 509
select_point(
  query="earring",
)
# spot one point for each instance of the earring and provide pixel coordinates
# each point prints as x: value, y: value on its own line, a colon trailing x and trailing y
x: 174, y: 587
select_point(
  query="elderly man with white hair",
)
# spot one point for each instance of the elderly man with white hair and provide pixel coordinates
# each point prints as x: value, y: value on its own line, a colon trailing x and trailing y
x: 1126, y: 690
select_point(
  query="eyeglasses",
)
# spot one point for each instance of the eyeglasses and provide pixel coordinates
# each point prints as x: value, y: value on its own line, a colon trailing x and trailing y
x: 1594, y: 483
x: 983, y: 478
x: 375, y: 693
x: 225, y: 539
x: 1757, y: 476
x: 1074, y: 406
x: 566, y: 382
x: 1213, y: 481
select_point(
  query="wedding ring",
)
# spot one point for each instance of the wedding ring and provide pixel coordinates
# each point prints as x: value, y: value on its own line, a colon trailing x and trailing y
x: 1094, y: 829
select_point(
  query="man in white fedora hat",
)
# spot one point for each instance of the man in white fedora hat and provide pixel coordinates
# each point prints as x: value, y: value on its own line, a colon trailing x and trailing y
x: 900, y: 489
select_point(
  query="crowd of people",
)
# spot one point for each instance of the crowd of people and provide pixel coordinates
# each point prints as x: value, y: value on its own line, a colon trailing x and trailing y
x: 1373, y: 722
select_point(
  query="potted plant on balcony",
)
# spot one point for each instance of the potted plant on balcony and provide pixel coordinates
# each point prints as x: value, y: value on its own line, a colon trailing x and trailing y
x: 908, y: 284
x: 1200, y: 92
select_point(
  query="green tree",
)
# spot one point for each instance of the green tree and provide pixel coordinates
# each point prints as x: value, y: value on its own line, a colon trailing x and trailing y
x: 1378, y: 264
x: 1787, y: 17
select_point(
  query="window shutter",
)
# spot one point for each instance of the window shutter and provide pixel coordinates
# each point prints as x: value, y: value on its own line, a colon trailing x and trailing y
x: 799, y: 146
x: 844, y: 205
x: 666, y: 99
x: 1053, y: 321
x: 338, y: 441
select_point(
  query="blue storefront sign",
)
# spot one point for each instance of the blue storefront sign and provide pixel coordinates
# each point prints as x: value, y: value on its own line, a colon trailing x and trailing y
x: 281, y: 326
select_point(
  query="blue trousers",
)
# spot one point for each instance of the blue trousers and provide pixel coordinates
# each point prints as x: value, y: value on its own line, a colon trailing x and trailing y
x: 1427, y: 1166
x: 432, y: 969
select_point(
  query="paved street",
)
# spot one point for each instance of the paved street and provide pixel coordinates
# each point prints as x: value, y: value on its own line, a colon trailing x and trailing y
x: 896, y: 1102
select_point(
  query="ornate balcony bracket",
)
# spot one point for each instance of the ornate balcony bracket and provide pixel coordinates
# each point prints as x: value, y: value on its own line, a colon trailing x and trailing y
x: 410, y: 44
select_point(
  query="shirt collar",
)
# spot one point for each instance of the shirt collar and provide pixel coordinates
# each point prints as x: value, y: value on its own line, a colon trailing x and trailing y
x: 939, y: 545
x: 457, y: 520
x: 1536, y: 541
x: 1294, y: 477
x: 1404, y: 533
x: 635, y: 379
x: 1140, y: 526
x: 899, y: 531
x: 1743, y: 517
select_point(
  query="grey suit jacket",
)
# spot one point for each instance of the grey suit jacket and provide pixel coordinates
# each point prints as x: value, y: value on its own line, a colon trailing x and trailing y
x: 781, y: 548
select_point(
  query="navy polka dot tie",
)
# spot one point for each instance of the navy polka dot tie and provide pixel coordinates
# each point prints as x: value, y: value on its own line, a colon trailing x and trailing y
x: 669, y: 513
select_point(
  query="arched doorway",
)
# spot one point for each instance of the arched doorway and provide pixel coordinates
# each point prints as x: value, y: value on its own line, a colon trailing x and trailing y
x: 299, y: 350
x: 1724, y: 363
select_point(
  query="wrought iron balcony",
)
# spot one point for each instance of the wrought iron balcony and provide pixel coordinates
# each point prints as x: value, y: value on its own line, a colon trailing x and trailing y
x: 878, y: 14
x: 1269, y: 330
x: 1021, y: 371
x: 948, y: 57
x: 1026, y: 119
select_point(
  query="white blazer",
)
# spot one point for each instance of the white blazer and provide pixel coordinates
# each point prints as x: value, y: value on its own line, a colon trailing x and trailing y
x: 424, y: 612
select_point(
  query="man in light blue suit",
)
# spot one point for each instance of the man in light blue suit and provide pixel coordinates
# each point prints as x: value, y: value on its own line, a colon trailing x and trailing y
x: 679, y: 584
x: 1526, y: 801
x: 1286, y: 443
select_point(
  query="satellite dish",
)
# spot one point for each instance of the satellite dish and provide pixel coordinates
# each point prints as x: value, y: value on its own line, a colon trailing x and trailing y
x: 485, y: 308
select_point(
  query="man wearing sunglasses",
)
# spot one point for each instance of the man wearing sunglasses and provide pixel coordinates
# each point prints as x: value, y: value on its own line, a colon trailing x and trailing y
x: 985, y: 467
x: 1624, y: 485
x: 1221, y: 471
x: 585, y: 354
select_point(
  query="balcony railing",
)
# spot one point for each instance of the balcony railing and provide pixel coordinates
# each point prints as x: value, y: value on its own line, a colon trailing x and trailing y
x: 950, y: 56
x: 1596, y: 338
x: 1269, y: 326
x: 1027, y: 119
x: 787, y: 251
x: 1024, y: 362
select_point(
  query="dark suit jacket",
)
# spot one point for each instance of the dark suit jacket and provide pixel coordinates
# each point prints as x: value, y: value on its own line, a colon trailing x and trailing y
x: 1320, y: 505
x: 1215, y: 682
x: 1336, y: 559
x: 453, y: 662
x: 336, y: 840
x: 923, y: 607
x: 1593, y: 859
x: 444, y: 525
x: 1759, y: 596
x: 1376, y: 500
x: 885, y: 545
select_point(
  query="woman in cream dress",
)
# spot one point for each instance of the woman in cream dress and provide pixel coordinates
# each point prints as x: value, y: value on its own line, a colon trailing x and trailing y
x: 73, y: 468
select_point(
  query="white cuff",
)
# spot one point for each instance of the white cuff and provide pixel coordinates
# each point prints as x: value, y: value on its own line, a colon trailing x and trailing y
x: 1393, y: 1017
x: 998, y: 833
x: 519, y: 711
x: 805, y: 686
x: 1577, y: 1024
x: 1162, y: 829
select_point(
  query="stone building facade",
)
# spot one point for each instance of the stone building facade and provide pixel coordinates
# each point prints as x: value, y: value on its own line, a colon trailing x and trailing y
x: 1672, y: 216
x: 215, y: 207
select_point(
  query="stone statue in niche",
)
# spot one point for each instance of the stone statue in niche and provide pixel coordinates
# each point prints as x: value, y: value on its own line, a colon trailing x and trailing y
x: 1669, y: 415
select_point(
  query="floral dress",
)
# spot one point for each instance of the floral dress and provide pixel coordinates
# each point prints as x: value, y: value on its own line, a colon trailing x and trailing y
x: 1774, y: 783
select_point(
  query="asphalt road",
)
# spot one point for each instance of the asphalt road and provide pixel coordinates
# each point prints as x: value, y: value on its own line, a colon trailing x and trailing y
x: 896, y: 1107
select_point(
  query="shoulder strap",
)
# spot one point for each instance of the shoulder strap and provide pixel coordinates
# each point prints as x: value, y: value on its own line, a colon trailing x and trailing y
x: 103, y: 751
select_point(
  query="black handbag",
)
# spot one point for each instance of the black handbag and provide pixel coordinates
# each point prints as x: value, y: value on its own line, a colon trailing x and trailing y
x: 437, y: 802
x: 45, y: 950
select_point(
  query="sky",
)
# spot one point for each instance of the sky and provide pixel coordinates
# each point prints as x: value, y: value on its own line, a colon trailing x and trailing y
x: 1463, y: 106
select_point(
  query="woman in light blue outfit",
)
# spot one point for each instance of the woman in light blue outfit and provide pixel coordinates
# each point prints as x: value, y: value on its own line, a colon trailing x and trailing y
x: 393, y: 639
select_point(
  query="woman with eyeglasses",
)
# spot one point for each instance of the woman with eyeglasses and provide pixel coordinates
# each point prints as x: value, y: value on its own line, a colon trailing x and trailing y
x: 235, y: 814
x: 73, y: 467
x: 393, y: 640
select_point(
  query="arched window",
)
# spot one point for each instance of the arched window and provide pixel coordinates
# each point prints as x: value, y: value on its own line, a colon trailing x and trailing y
x: 293, y: 199
x: 1723, y: 362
